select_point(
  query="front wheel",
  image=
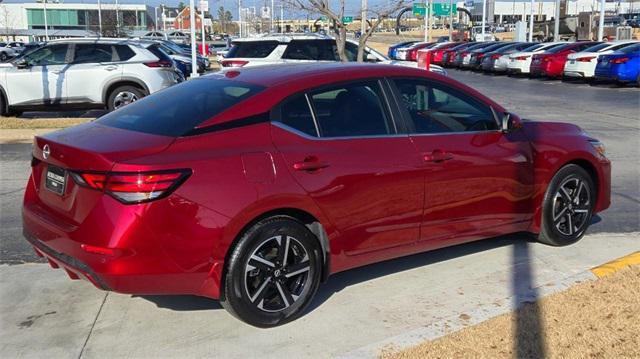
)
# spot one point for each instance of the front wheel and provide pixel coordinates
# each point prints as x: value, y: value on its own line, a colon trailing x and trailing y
x: 273, y: 272
x: 567, y: 207
x: 123, y: 96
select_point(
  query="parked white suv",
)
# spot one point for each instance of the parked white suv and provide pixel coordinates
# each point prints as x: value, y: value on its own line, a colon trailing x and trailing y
x: 83, y: 74
x: 296, y: 48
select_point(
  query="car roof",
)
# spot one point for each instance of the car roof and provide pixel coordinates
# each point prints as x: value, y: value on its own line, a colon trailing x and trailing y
x: 94, y: 40
x: 285, y: 38
x: 317, y: 73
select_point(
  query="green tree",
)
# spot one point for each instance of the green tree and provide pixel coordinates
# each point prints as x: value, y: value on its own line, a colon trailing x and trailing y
x: 181, y: 6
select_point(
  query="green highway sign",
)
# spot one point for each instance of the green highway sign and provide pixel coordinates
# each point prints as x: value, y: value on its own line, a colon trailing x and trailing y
x: 347, y: 19
x: 439, y: 9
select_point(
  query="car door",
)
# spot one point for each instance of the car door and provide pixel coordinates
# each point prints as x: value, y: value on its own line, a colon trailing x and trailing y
x: 478, y: 180
x: 341, y: 145
x: 98, y: 62
x: 41, y: 77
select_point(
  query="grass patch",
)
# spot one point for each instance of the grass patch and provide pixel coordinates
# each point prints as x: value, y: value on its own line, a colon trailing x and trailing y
x: 595, y: 319
x: 21, y: 123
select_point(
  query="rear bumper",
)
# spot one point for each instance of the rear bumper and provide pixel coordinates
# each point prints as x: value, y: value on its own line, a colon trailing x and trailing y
x: 136, y: 249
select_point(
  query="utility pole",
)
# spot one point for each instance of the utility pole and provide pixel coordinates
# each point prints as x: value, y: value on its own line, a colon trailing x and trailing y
x: 46, y: 26
x: 282, y: 17
x: 601, y: 22
x: 426, y: 22
x: 363, y: 18
x: 431, y: 21
x: 556, y: 23
x: 117, y: 19
x: 484, y: 17
x: 271, y: 15
x: 531, y: 21
x: 192, y: 28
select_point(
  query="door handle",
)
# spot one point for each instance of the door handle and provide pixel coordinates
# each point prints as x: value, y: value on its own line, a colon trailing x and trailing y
x: 310, y: 164
x: 111, y: 68
x: 55, y: 72
x: 437, y: 156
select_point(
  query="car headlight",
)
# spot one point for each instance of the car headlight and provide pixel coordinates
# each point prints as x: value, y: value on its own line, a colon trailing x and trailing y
x: 599, y: 147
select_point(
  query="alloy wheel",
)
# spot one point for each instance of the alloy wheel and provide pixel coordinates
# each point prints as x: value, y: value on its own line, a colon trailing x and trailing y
x: 571, y: 206
x: 277, y: 273
x: 124, y: 98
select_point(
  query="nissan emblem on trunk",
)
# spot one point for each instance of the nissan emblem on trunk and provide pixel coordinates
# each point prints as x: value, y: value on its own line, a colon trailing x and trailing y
x: 46, y: 151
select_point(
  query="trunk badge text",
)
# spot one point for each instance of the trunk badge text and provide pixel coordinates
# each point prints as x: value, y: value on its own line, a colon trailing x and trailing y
x: 46, y: 151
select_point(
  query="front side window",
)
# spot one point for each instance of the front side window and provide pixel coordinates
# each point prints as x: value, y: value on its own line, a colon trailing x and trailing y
x: 435, y: 108
x: 93, y: 53
x: 48, y: 55
x: 351, y: 110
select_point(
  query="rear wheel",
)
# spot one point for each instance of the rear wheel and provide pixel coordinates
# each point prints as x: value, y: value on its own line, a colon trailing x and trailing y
x: 567, y: 206
x: 273, y: 272
x: 123, y: 96
x: 3, y: 56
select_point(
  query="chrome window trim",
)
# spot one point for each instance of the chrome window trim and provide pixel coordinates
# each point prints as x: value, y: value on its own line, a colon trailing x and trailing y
x: 306, y: 136
x: 454, y: 133
x: 313, y: 115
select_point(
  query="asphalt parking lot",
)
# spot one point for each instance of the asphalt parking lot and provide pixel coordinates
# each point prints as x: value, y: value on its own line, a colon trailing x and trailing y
x: 358, y: 312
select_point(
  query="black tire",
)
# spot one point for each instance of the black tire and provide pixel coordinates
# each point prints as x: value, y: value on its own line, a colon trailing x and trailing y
x: 115, y: 99
x: 3, y: 57
x: 265, y: 296
x: 567, y: 207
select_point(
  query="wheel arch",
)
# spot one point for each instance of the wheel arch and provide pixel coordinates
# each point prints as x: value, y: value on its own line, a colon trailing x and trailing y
x: 5, y: 98
x: 309, y: 220
x: 124, y: 81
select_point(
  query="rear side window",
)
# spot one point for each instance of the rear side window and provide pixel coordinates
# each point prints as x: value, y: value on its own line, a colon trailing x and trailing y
x: 320, y: 50
x: 296, y: 114
x: 252, y: 49
x: 630, y: 49
x: 177, y: 110
x: 351, y: 110
x: 161, y: 55
x: 124, y: 52
x: 92, y: 53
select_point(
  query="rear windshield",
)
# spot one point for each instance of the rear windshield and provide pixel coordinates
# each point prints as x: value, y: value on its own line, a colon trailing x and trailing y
x: 596, y: 48
x: 532, y: 47
x: 630, y: 49
x: 252, y: 49
x: 178, y: 109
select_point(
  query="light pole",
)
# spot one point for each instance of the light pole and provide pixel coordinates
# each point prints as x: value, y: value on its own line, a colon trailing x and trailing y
x: 192, y: 28
x: 239, y: 18
x: 484, y: 17
x: 46, y: 26
x: 531, y: 21
x: 100, y: 17
x: 450, y: 20
x: 202, y: 24
x: 363, y: 18
x: 271, y: 15
x: 601, y: 22
x: 556, y: 23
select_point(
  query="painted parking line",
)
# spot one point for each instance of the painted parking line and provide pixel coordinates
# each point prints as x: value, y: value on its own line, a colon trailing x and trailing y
x: 616, y: 265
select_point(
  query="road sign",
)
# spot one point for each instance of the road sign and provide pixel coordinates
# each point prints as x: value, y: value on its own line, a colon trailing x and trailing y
x: 204, y: 5
x: 419, y: 9
x: 347, y: 19
x: 443, y: 9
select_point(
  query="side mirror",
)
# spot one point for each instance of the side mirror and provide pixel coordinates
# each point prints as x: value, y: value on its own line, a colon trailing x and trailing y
x: 509, y: 122
x: 22, y: 64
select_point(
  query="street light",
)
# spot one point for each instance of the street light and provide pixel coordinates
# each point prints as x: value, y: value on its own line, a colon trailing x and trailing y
x: 192, y: 28
x: 46, y: 26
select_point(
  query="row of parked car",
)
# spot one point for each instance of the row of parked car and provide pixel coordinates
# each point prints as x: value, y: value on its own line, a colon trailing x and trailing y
x: 91, y: 73
x: 617, y: 61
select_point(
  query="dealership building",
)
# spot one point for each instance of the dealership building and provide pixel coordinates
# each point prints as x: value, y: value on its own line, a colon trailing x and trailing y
x: 26, y: 21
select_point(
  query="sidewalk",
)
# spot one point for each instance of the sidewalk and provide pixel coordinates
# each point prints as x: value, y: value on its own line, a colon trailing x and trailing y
x: 356, y: 314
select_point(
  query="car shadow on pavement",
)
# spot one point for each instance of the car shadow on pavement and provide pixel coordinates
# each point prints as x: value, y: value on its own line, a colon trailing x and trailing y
x: 340, y: 281
x: 182, y: 303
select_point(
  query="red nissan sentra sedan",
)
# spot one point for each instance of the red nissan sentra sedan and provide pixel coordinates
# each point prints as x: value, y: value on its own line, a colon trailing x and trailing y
x: 254, y: 185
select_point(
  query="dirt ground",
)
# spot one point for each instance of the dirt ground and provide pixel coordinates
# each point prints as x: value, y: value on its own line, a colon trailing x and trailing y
x: 595, y: 319
x: 21, y: 123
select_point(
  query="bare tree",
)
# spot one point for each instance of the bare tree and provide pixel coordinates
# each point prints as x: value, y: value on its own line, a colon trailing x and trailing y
x: 381, y: 13
x: 334, y: 11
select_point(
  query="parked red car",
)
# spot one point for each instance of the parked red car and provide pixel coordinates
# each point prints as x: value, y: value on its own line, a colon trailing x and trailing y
x: 252, y: 186
x: 437, y: 55
x: 551, y: 63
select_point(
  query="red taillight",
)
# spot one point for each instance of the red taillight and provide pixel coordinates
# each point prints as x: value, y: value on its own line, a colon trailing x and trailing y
x: 234, y: 63
x: 133, y: 187
x: 619, y: 60
x: 413, y: 55
x: 495, y: 56
x: 522, y: 58
x: 585, y: 59
x: 161, y: 63
x: 545, y: 58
